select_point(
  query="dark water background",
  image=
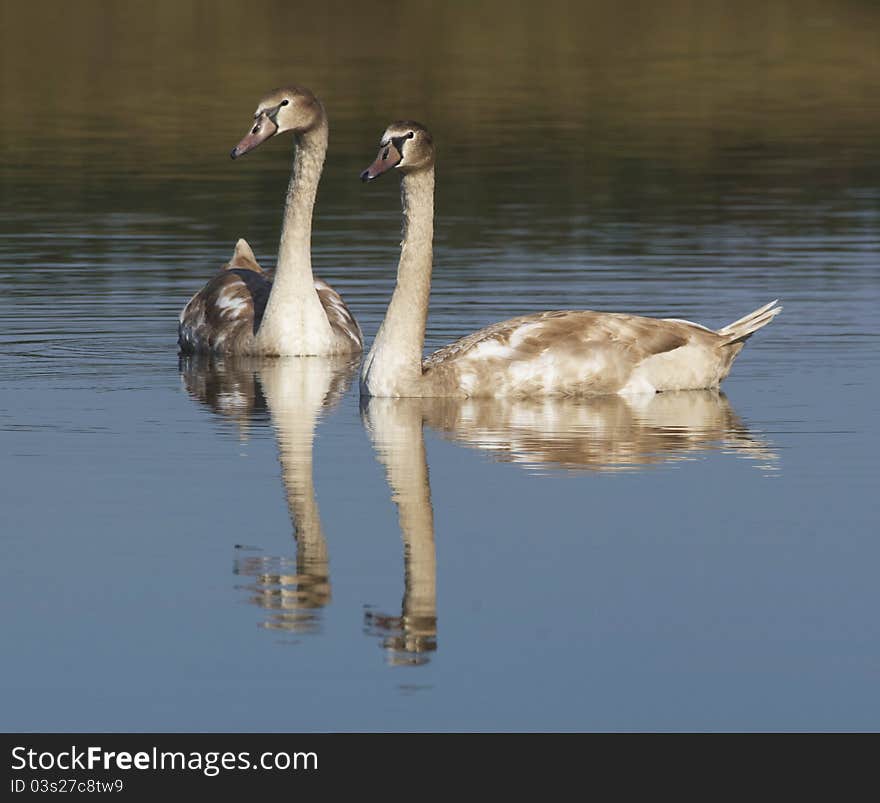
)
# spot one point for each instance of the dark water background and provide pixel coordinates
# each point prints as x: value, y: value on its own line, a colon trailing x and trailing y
x: 249, y: 549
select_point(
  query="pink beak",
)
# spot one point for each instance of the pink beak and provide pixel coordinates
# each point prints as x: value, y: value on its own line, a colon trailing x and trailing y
x: 388, y: 157
x: 262, y: 130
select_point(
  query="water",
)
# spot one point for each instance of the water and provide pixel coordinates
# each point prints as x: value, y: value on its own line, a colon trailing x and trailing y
x: 248, y: 547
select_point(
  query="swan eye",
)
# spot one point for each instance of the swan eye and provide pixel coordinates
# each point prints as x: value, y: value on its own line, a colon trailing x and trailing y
x: 285, y: 102
x: 255, y: 129
x: 410, y: 135
x: 385, y: 154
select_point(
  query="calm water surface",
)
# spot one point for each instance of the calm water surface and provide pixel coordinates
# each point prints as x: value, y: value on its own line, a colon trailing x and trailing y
x: 246, y: 546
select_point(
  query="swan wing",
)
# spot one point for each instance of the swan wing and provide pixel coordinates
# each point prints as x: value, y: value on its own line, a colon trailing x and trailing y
x: 563, y: 352
x: 341, y: 320
x: 224, y: 315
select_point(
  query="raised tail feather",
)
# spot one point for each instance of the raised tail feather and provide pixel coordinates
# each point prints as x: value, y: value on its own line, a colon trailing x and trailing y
x: 746, y: 326
x: 243, y: 258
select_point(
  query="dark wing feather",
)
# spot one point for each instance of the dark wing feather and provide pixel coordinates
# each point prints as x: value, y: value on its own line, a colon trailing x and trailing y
x: 225, y: 314
x: 338, y: 313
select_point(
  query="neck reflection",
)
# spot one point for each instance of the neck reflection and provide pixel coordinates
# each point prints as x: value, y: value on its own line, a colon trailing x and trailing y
x: 395, y: 427
x: 294, y: 392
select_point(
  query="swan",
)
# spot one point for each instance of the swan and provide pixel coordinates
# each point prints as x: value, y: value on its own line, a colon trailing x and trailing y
x: 607, y: 433
x: 245, y: 310
x: 556, y: 353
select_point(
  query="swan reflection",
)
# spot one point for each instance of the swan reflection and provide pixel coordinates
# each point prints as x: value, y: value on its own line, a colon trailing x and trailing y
x: 292, y: 393
x: 592, y: 435
x: 395, y: 427
x: 608, y: 433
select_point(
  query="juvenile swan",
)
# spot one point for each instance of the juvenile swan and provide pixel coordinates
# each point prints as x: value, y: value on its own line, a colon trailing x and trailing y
x: 243, y: 309
x: 558, y: 353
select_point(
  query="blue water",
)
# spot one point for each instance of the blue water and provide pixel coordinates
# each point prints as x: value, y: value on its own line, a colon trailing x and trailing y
x: 256, y: 550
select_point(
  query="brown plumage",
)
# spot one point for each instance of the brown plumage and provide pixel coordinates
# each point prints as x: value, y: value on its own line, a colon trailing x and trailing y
x: 611, y: 342
x: 586, y: 353
x: 224, y: 316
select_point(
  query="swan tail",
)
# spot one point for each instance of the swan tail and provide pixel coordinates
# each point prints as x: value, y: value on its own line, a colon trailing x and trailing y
x: 745, y: 327
x: 243, y: 257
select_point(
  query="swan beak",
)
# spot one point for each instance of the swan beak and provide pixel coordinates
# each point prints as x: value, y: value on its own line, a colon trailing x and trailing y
x: 388, y: 157
x: 263, y: 128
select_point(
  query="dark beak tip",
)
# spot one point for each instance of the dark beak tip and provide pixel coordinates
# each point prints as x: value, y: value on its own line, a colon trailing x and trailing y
x: 365, y: 176
x: 233, y: 154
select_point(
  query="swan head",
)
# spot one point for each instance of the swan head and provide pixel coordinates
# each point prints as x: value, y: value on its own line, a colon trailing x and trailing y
x: 406, y: 145
x: 291, y: 108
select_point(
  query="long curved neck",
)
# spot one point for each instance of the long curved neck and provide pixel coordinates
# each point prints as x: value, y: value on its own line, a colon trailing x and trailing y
x: 394, y: 364
x: 295, y: 251
x: 294, y: 320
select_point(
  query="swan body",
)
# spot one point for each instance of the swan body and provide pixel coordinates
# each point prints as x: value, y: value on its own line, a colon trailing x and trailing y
x: 557, y: 353
x: 243, y: 310
x: 583, y: 353
x: 225, y: 316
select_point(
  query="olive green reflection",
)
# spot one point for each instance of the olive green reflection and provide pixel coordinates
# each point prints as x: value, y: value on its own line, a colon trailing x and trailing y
x: 580, y: 107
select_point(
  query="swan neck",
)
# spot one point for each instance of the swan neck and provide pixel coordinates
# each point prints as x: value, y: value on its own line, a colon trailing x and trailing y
x: 295, y: 250
x: 294, y: 321
x: 394, y: 365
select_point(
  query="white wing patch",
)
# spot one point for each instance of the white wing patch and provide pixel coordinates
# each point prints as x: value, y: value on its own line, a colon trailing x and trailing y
x: 522, y: 332
x: 230, y: 302
x: 489, y: 349
x: 540, y: 371
x: 637, y: 385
